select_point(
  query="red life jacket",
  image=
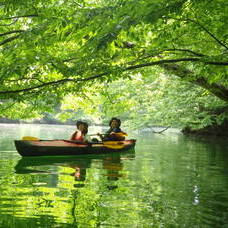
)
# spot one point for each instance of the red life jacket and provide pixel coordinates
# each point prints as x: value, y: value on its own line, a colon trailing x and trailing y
x: 77, y: 136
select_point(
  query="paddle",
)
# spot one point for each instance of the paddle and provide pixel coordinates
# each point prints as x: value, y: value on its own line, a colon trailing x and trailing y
x: 108, y: 144
x: 30, y: 138
x: 121, y: 134
x: 113, y: 144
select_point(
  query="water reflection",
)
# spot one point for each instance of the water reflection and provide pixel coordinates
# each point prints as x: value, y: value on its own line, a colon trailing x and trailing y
x: 70, y: 188
x: 112, y: 163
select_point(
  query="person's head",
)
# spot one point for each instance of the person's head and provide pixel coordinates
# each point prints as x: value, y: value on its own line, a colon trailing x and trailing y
x: 78, y: 123
x: 114, y: 122
x: 82, y: 126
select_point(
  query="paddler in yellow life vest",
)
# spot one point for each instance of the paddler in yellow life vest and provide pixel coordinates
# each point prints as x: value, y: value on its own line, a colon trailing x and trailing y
x: 114, y: 133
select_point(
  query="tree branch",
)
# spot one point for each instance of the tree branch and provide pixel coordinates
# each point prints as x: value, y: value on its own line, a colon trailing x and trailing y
x: 185, y: 50
x: 175, y: 61
x: 16, y: 17
x: 62, y: 81
x: 9, y: 23
x: 204, y: 28
x: 218, y: 90
x: 7, y: 107
x: 158, y: 52
x: 160, y: 132
x: 11, y: 32
x: 9, y: 40
x: 37, y: 87
x: 208, y: 32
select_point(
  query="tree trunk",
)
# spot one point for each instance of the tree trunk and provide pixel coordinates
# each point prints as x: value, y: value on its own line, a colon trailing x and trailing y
x: 216, y: 89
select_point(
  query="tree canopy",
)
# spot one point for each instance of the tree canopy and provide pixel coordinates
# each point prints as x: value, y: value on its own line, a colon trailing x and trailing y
x: 52, y: 51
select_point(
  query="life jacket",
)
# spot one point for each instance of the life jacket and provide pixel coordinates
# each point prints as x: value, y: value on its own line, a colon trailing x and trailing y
x: 78, y: 136
x: 114, y: 137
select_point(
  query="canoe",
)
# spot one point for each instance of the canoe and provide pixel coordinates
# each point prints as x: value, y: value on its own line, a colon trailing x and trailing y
x: 70, y: 147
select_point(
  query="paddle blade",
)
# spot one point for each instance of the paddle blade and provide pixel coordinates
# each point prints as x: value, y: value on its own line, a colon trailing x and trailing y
x: 117, y: 147
x: 117, y: 136
x: 123, y: 134
x: 30, y: 138
x: 113, y: 144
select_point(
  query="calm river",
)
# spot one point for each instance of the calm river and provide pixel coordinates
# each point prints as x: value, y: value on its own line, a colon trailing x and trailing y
x: 168, y: 181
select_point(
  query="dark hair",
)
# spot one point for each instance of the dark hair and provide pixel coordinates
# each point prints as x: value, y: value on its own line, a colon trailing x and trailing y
x: 78, y: 123
x: 118, y: 121
x: 86, y: 127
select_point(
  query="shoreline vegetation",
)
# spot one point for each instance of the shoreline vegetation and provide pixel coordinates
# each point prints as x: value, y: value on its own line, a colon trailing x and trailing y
x: 212, y: 130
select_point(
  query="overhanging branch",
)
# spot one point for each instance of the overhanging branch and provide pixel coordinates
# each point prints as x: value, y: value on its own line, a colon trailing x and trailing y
x: 11, y: 32
x: 204, y: 28
x: 62, y: 81
x: 209, y: 33
x: 216, y: 89
x: 185, y: 50
x: 16, y: 17
x: 9, y: 40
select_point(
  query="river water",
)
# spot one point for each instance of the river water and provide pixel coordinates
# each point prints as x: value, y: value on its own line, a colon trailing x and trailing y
x: 169, y: 180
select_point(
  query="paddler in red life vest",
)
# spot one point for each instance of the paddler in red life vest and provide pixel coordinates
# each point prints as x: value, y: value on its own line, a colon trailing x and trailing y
x: 81, y: 133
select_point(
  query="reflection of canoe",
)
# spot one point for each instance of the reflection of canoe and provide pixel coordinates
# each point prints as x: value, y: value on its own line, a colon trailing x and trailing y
x: 83, y: 162
x: 67, y: 147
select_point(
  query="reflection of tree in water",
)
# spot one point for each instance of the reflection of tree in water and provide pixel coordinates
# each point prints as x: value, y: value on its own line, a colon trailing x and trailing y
x: 81, y: 195
x: 206, y: 182
x: 89, y: 202
x: 213, y: 183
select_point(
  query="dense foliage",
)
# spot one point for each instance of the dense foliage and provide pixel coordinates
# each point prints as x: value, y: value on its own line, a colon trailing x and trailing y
x: 154, y: 62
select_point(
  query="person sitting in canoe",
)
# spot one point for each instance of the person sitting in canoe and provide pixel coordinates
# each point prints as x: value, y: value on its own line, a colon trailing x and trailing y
x: 114, y: 133
x: 81, y: 133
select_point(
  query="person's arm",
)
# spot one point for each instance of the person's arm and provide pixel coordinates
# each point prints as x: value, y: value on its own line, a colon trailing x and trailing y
x: 117, y: 134
x: 100, y: 135
x: 87, y: 138
x: 105, y: 136
x: 73, y: 135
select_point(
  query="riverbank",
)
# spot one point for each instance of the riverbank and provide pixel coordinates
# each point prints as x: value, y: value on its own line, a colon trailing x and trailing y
x: 212, y: 130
